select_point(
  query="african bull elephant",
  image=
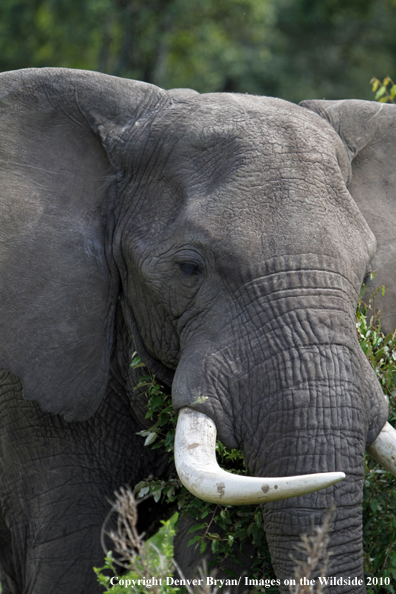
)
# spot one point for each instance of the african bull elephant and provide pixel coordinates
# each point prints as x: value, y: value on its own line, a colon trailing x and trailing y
x: 225, y: 238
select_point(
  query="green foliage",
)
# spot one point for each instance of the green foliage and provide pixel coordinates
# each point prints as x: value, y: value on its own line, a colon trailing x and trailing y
x: 326, y: 49
x: 295, y: 49
x: 198, y: 43
x: 379, y: 526
x: 378, y: 348
x: 385, y: 91
x: 160, y: 409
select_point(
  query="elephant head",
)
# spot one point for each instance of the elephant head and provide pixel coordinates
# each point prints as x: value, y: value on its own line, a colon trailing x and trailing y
x: 233, y: 234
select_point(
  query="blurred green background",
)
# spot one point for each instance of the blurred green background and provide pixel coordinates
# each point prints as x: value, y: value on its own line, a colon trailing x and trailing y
x: 293, y: 49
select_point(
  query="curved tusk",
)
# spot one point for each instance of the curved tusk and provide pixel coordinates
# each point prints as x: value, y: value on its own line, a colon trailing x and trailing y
x: 196, y: 465
x: 383, y: 449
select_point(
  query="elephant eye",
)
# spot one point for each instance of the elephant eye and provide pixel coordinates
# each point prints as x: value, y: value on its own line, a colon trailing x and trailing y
x: 189, y: 269
x: 191, y: 266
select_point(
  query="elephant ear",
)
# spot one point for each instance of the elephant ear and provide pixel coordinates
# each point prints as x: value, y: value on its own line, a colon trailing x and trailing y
x: 59, y: 131
x: 368, y: 130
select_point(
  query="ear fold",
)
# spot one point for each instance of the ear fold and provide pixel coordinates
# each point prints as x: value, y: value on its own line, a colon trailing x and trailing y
x: 58, y: 286
x: 368, y: 130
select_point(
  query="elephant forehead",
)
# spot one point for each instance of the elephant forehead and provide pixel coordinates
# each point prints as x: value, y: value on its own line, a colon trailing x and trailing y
x: 245, y: 147
x: 237, y: 123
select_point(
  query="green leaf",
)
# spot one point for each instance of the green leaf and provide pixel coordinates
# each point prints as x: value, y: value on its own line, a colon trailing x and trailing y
x: 392, y: 559
x: 151, y: 438
x: 381, y: 91
x: 157, y: 495
x: 137, y: 365
x: 136, y: 361
x: 170, y: 437
x: 363, y: 344
x: 193, y: 540
x: 379, y: 354
x: 156, y: 401
x: 144, y: 491
x: 195, y: 528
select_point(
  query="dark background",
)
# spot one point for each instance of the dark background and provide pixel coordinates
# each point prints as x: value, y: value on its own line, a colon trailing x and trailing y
x: 293, y: 49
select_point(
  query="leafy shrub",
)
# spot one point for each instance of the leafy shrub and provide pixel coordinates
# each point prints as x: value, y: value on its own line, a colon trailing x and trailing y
x: 385, y: 91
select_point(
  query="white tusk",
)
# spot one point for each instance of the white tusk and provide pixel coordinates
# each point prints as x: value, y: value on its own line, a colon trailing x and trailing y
x: 383, y: 449
x: 196, y: 465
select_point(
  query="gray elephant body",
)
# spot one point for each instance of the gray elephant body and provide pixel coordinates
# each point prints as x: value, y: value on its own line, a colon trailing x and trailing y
x: 216, y: 235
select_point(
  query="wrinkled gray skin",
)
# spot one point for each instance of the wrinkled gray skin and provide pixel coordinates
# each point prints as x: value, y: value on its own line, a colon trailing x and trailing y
x: 215, y: 234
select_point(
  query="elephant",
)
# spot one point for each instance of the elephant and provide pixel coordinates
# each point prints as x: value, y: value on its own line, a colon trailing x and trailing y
x: 225, y: 238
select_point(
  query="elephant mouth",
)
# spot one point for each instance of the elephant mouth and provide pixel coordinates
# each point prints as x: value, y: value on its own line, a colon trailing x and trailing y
x: 198, y: 470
